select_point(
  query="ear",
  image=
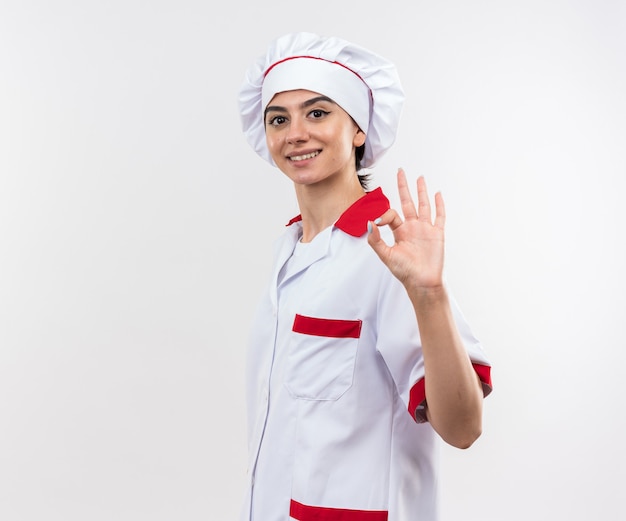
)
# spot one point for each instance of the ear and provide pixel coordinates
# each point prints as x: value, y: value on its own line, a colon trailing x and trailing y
x: 359, y: 138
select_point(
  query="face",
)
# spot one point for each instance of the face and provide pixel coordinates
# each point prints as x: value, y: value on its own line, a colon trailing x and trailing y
x: 311, y: 138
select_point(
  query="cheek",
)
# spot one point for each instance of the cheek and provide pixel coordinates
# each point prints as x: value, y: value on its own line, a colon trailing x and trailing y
x: 272, y: 143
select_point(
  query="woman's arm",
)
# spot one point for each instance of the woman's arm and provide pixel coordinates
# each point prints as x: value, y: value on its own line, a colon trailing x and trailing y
x: 453, y: 391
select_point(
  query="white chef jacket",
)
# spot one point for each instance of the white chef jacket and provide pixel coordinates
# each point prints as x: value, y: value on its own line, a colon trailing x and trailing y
x: 337, y: 430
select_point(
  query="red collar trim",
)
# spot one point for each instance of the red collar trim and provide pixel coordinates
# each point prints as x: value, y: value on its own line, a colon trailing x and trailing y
x: 354, y: 220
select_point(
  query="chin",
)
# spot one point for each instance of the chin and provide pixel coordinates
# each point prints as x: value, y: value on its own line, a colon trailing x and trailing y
x: 302, y: 177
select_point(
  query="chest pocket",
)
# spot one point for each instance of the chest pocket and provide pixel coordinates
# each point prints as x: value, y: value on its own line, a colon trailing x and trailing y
x: 322, y: 355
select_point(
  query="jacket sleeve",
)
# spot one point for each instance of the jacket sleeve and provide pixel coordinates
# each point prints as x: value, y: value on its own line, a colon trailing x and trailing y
x: 398, y: 342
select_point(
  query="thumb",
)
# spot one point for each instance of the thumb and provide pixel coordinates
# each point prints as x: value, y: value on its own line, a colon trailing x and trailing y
x: 376, y: 241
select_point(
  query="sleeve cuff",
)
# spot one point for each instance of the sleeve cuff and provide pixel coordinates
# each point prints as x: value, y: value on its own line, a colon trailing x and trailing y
x: 417, y: 394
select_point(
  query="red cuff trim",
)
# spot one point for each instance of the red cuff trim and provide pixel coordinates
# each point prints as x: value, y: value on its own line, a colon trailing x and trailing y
x: 484, y: 373
x: 417, y: 394
x: 308, y: 513
x: 327, y: 327
x: 417, y: 397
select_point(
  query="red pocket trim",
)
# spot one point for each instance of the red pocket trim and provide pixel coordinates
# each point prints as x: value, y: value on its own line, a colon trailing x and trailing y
x: 308, y: 513
x: 327, y: 327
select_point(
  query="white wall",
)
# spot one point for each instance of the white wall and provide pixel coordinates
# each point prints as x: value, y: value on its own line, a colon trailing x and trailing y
x: 136, y: 224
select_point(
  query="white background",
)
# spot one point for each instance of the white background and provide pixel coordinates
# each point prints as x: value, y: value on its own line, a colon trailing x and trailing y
x: 136, y: 228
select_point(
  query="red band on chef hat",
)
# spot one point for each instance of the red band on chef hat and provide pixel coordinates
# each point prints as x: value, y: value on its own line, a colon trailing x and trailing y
x: 364, y: 84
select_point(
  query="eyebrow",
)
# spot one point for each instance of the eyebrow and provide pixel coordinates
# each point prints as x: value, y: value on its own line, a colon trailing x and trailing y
x: 303, y: 105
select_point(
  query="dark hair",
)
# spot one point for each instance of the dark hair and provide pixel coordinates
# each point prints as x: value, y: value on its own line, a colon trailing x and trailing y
x: 364, y: 179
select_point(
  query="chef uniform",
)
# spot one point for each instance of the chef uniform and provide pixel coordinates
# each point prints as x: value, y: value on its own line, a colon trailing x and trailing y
x: 335, y: 378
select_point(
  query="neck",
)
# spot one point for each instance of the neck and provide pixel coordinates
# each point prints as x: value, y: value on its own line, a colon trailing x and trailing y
x: 322, y: 204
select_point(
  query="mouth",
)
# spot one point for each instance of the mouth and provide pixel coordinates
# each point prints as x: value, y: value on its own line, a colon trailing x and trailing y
x: 304, y: 157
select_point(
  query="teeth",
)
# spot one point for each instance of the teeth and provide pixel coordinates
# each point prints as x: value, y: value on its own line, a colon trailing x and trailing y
x: 305, y: 156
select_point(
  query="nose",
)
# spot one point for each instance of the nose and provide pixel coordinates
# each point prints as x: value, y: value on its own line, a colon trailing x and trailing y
x: 298, y: 131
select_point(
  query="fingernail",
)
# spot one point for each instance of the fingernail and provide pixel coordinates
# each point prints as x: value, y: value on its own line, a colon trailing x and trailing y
x: 378, y: 221
x: 370, y: 227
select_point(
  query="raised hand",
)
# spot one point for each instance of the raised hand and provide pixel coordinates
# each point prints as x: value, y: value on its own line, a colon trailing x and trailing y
x: 416, y: 258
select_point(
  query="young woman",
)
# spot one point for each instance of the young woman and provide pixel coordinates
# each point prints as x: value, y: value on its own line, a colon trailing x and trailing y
x: 359, y: 358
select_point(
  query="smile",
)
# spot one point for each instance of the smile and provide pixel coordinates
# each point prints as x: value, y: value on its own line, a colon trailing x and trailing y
x: 305, y: 156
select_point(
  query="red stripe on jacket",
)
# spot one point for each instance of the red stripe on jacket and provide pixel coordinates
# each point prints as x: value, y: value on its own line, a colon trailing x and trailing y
x: 310, y: 513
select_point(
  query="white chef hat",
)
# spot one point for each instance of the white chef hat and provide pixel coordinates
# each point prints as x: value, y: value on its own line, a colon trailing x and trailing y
x: 361, y: 82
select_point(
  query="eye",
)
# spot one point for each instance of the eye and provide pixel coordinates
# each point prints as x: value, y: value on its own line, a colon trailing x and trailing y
x: 276, y: 121
x: 318, y: 113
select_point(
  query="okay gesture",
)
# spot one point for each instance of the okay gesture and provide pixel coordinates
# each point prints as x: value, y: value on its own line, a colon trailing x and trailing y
x: 416, y: 258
